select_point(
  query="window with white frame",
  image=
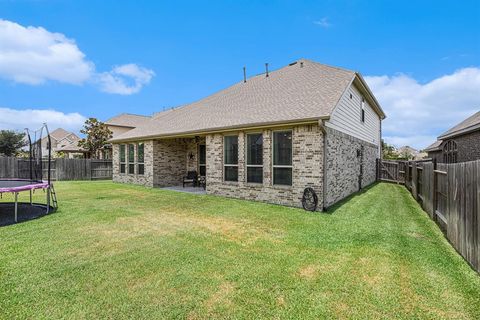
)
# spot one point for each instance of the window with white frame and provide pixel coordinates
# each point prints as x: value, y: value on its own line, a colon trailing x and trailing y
x: 282, y: 158
x: 230, y: 158
x: 255, y: 158
x: 141, y: 158
x: 131, y: 158
x: 122, y: 158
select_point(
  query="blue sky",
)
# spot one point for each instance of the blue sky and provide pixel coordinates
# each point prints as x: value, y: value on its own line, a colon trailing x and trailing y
x: 142, y: 56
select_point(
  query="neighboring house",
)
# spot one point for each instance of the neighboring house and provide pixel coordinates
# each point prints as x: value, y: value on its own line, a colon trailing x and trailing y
x: 265, y: 139
x: 410, y: 153
x: 459, y: 144
x: 59, y: 138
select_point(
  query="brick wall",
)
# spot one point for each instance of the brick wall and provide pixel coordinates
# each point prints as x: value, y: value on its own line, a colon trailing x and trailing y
x: 343, y: 165
x: 307, y: 161
x: 147, y: 179
x: 468, y: 148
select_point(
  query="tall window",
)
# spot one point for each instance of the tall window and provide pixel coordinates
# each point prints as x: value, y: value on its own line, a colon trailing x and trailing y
x: 131, y: 159
x: 450, y: 152
x: 122, y: 158
x: 230, y: 160
x: 140, y: 158
x: 282, y: 158
x: 202, y: 159
x: 362, y: 116
x: 255, y: 158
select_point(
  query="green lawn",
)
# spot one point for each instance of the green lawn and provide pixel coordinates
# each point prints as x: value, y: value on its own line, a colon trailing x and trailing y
x: 118, y: 251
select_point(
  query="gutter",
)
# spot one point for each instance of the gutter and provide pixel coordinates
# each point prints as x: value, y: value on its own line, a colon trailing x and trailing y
x: 258, y: 125
x: 321, y: 123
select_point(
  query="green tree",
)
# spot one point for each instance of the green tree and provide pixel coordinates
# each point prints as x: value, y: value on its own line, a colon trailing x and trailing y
x: 97, y: 134
x: 11, y: 142
x: 389, y: 152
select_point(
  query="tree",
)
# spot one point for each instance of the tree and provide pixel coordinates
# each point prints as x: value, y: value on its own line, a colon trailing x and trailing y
x: 97, y: 134
x: 389, y: 152
x: 11, y: 142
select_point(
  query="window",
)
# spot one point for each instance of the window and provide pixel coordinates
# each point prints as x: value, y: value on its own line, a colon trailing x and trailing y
x: 255, y: 158
x: 363, y: 110
x: 282, y: 158
x: 202, y: 150
x: 450, y: 152
x: 131, y: 159
x: 230, y: 160
x: 122, y: 158
x: 140, y: 158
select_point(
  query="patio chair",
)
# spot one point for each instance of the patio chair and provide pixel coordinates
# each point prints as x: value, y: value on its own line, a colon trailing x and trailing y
x: 192, y: 177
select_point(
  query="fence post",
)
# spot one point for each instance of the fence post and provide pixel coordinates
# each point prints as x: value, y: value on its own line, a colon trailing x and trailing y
x: 434, y: 188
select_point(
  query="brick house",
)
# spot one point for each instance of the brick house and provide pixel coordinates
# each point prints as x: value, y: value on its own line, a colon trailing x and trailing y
x: 458, y: 144
x: 266, y: 138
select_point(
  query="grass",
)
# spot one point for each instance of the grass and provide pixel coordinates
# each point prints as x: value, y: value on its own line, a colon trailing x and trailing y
x: 118, y: 251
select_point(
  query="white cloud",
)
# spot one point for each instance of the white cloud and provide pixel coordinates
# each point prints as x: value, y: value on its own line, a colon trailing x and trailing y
x: 417, y: 113
x: 34, y: 55
x: 324, y: 23
x: 116, y: 81
x: 12, y: 119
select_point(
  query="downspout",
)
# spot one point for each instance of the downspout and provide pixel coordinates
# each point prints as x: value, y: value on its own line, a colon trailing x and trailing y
x: 321, y: 123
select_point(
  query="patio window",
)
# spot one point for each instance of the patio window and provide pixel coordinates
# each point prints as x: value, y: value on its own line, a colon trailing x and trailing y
x: 282, y: 158
x: 140, y: 158
x: 255, y: 158
x: 230, y: 160
x: 131, y: 159
x: 202, y: 160
x: 122, y: 158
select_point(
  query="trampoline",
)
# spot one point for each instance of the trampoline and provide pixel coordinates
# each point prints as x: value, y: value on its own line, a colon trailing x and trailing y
x: 26, y: 175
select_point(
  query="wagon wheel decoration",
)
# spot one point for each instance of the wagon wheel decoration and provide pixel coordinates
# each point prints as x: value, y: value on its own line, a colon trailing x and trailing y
x: 309, y: 199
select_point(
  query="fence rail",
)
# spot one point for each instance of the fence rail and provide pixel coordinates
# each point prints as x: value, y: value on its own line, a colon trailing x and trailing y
x: 449, y: 193
x: 61, y: 169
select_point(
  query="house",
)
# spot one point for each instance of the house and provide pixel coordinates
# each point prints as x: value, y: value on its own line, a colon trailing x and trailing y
x: 266, y: 138
x: 458, y: 144
x: 59, y: 138
x: 120, y: 124
x: 409, y: 153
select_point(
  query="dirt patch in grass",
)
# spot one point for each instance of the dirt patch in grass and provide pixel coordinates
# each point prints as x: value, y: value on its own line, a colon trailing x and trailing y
x: 221, y: 297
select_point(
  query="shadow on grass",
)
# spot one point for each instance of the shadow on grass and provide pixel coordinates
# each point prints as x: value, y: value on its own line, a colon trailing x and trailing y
x: 333, y: 208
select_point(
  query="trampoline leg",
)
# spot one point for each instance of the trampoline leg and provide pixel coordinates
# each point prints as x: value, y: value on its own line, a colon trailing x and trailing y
x: 48, y: 200
x: 16, y: 205
x: 30, y: 197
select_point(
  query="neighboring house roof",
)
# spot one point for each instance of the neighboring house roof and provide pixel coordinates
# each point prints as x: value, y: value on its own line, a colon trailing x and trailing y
x: 470, y: 124
x: 71, y: 147
x: 408, y: 149
x: 127, y: 120
x: 59, y: 134
x: 434, y: 146
x: 302, y: 91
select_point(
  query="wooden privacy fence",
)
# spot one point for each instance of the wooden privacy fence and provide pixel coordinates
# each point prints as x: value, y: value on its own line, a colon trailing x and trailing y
x: 449, y: 193
x: 61, y: 169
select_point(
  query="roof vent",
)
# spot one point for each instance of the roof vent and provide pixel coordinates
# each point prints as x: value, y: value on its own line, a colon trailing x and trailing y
x: 301, y: 64
x: 244, y: 74
x: 266, y: 70
x: 293, y: 63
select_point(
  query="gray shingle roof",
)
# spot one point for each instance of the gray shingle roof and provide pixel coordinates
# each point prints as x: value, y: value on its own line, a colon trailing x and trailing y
x: 305, y: 90
x: 434, y: 146
x: 467, y: 125
x: 59, y: 133
x: 127, y: 120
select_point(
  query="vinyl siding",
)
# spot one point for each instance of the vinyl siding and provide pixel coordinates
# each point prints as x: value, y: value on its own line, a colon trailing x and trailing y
x: 346, y: 118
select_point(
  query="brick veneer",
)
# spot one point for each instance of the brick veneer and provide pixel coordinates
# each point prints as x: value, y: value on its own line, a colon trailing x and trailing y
x: 468, y: 148
x: 168, y: 160
x: 307, y: 144
x: 343, y: 165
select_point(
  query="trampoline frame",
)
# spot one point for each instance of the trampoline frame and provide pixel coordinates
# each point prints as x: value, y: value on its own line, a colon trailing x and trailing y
x: 35, y: 182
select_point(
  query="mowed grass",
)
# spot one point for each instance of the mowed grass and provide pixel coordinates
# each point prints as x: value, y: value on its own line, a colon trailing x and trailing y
x: 128, y: 252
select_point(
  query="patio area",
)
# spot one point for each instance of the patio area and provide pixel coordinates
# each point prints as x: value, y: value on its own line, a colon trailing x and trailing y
x: 186, y: 189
